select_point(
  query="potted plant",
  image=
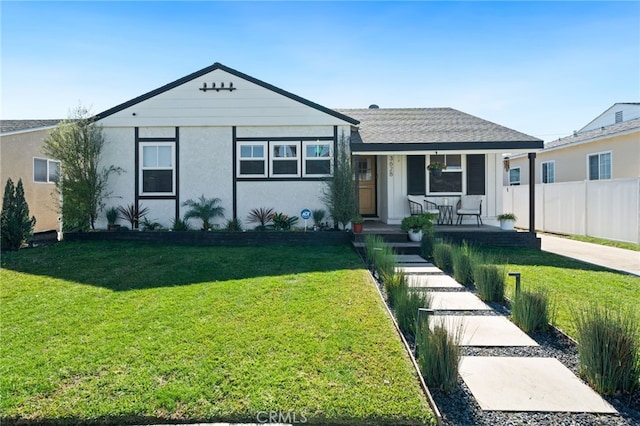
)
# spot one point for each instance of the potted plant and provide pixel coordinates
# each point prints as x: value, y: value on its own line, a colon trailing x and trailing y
x: 416, y: 225
x: 507, y: 221
x: 358, y: 224
x: 436, y: 168
x: 112, y: 217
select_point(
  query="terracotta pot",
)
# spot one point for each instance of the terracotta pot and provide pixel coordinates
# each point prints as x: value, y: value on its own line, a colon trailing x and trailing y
x: 357, y: 228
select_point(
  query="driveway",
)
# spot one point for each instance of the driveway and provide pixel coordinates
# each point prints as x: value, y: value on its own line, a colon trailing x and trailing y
x: 610, y: 257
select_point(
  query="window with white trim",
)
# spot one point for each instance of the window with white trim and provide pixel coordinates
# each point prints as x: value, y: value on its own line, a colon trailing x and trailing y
x: 252, y: 159
x: 157, y: 168
x: 548, y: 174
x: 599, y: 166
x: 285, y: 159
x: 514, y: 176
x: 451, y: 179
x: 317, y: 159
x: 45, y: 170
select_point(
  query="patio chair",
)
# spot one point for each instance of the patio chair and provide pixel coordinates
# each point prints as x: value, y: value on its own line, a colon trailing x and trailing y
x: 469, y: 205
x: 417, y: 205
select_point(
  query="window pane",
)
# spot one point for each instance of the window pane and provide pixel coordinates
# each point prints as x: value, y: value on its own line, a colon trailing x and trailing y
x: 285, y: 151
x: 317, y: 151
x: 54, y: 170
x: 39, y: 170
x: 593, y: 167
x: 318, y: 167
x: 285, y: 167
x: 157, y: 181
x: 447, y: 182
x: 252, y: 167
x: 258, y: 151
x: 514, y: 176
x: 164, y: 156
x: 436, y: 159
x: 245, y: 151
x: 149, y: 156
x: 605, y: 166
x: 454, y: 161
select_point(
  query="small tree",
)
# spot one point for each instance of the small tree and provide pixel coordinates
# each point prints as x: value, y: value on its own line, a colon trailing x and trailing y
x: 205, y: 209
x: 15, y: 224
x: 77, y: 142
x: 339, y: 193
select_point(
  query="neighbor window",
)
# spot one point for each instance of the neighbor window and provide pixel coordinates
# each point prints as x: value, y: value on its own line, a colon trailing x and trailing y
x: 514, y: 176
x: 599, y: 166
x: 45, y: 170
x: 548, y: 172
x: 317, y: 159
x: 157, y: 168
x: 252, y: 160
x: 450, y: 181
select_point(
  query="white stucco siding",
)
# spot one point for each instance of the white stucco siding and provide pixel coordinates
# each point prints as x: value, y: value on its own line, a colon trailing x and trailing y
x: 206, y: 166
x: 248, y: 105
x: 284, y: 197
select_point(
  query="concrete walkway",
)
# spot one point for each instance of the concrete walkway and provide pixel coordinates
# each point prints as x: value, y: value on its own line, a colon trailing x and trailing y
x: 609, y: 257
x: 503, y: 383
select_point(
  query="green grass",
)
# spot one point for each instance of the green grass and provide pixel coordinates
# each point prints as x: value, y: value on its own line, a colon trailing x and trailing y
x: 131, y: 332
x: 572, y: 285
x: 603, y: 242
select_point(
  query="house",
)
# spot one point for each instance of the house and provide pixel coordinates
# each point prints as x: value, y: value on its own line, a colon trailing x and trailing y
x: 21, y: 157
x: 225, y: 134
x: 587, y: 183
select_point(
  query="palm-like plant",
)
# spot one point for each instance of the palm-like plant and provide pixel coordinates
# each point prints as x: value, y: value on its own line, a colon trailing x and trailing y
x: 262, y: 216
x: 132, y: 213
x: 204, y: 209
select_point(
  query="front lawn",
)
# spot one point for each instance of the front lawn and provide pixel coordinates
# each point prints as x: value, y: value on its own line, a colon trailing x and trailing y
x: 132, y: 332
x: 572, y: 284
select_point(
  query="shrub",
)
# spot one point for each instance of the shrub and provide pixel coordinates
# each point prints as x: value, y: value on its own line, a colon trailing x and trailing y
x: 385, y: 265
x: 282, y: 222
x: 180, y: 225
x: 418, y: 222
x: 489, y: 282
x: 204, y: 209
x: 443, y: 257
x: 530, y: 310
x: 463, y: 260
x: 406, y: 305
x: 609, y: 349
x: 426, y: 245
x: 132, y: 213
x: 112, y: 215
x: 261, y: 216
x: 395, y: 286
x: 373, y: 244
x: 438, y: 355
x: 15, y: 224
x: 233, y: 225
x: 318, y: 216
x: 339, y: 192
x: 149, y: 225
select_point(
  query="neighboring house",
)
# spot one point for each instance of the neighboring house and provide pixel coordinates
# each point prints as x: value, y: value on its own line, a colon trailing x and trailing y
x: 21, y: 157
x: 224, y: 134
x: 596, y: 172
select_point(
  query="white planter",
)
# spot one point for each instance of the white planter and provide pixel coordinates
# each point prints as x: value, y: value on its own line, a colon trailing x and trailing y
x: 415, y: 236
x: 507, y: 224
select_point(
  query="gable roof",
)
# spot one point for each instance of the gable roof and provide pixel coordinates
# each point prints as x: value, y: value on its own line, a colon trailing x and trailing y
x: 603, y: 115
x: 219, y: 66
x: 10, y: 126
x: 595, y: 134
x: 412, y: 129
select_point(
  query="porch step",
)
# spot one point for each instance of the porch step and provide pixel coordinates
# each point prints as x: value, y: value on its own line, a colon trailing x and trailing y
x: 387, y: 236
x: 398, y: 248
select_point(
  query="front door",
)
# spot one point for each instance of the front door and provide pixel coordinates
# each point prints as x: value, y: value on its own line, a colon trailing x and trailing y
x: 367, y: 184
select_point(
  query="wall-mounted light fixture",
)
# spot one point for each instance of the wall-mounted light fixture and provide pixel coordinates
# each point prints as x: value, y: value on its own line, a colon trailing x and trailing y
x: 230, y: 88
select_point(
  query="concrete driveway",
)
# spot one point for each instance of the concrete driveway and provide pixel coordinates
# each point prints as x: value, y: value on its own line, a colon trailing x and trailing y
x: 609, y: 257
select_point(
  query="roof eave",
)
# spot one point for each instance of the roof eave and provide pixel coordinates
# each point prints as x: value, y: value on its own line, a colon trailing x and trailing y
x: 397, y: 148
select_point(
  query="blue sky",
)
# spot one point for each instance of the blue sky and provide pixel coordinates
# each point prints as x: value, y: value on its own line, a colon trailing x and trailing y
x: 544, y: 68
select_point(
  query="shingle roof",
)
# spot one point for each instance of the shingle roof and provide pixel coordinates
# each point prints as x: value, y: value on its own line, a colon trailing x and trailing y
x: 429, y: 125
x: 595, y: 134
x: 7, y: 126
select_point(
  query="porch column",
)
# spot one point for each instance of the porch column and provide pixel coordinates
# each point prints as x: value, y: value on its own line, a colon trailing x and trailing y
x: 356, y: 160
x: 532, y: 193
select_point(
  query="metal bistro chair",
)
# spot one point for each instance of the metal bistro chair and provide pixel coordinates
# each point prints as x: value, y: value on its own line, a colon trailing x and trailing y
x: 469, y: 205
x: 417, y: 205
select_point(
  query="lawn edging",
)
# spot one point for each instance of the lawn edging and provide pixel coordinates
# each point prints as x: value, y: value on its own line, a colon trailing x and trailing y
x: 423, y: 384
x: 217, y: 238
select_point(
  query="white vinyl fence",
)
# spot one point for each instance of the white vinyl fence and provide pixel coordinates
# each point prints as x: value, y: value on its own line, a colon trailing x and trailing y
x: 605, y: 209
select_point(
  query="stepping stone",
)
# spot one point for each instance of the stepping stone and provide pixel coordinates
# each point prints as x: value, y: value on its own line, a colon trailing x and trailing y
x: 528, y: 384
x: 423, y: 270
x: 483, y: 330
x: 457, y: 301
x: 432, y: 281
x: 411, y: 258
